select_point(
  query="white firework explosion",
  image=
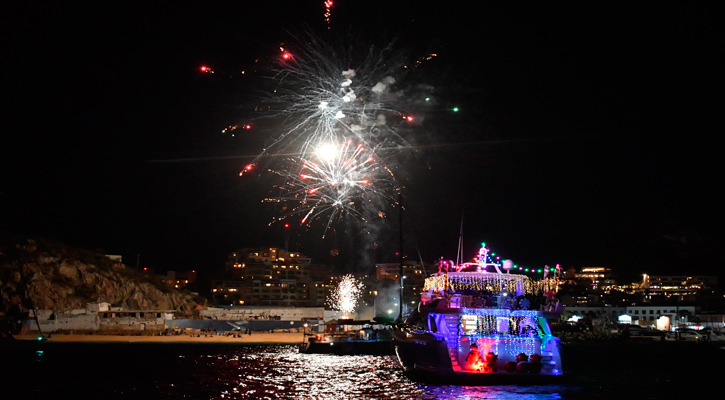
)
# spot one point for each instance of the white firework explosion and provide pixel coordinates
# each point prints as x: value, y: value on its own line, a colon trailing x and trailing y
x: 346, y: 295
x: 320, y: 101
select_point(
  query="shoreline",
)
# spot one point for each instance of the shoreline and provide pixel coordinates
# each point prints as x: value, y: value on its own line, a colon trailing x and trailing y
x: 256, y: 338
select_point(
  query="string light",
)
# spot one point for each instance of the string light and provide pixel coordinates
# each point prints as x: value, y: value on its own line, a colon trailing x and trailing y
x: 505, y: 333
x: 486, y: 257
x: 491, y: 282
x: 474, y: 276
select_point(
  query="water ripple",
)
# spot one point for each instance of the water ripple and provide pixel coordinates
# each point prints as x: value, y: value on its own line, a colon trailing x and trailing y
x: 281, y: 372
x: 228, y: 372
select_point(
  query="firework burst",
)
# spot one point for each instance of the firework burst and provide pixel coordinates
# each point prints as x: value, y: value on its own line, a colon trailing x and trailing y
x: 346, y: 295
x: 338, y: 180
x: 352, y: 103
x: 321, y: 101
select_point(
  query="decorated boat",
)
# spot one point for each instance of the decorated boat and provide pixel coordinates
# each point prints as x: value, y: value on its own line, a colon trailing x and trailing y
x: 479, y: 322
x: 350, y: 337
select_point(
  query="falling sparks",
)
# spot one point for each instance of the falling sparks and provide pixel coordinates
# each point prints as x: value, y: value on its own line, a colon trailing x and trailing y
x: 419, y: 62
x: 247, y: 168
x: 231, y: 128
x: 345, y: 295
x: 328, y: 12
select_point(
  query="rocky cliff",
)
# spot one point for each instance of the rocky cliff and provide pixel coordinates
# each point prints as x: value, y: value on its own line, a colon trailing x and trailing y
x: 48, y: 275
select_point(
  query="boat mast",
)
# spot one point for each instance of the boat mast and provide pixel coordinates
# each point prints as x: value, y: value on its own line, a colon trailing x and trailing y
x: 400, y: 254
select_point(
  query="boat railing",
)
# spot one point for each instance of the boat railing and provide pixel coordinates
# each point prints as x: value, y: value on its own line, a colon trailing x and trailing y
x: 486, y: 301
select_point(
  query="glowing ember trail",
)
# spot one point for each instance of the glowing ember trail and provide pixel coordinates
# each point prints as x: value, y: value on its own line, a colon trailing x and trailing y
x: 328, y: 12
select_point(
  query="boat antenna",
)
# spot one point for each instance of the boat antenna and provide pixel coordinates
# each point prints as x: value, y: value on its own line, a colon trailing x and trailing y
x: 459, y: 255
x: 422, y: 263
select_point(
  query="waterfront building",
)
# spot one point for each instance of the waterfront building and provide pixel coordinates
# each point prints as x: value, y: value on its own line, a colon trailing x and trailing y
x: 240, y: 313
x: 118, y: 320
x: 180, y: 280
x: 97, y: 317
x: 637, y: 315
x: 594, y: 278
x: 271, y: 277
x: 681, y: 286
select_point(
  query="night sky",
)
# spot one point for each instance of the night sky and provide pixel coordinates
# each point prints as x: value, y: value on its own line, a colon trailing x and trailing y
x: 588, y: 134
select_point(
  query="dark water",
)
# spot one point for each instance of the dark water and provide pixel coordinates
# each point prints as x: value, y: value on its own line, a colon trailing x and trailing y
x: 221, y: 371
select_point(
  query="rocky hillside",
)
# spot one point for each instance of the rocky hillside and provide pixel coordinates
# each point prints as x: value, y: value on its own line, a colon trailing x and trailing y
x: 48, y: 275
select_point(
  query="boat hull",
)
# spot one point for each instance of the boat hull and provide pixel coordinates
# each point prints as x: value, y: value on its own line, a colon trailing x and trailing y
x: 427, y: 358
x: 348, y: 347
x: 482, y: 346
x: 423, y: 353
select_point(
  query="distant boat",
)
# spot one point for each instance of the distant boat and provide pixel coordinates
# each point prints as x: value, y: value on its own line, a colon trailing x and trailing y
x: 635, y: 332
x: 350, y: 337
x: 714, y: 336
x: 6, y: 337
x: 478, y: 326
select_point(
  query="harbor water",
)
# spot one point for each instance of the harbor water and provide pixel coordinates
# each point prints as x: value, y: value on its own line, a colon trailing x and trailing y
x: 138, y: 371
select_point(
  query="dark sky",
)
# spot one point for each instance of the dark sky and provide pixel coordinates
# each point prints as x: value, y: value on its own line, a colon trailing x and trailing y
x: 588, y: 133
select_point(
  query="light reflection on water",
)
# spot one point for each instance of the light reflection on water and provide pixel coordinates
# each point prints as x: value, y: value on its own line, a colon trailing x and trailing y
x: 281, y: 372
x: 140, y: 371
x: 493, y: 392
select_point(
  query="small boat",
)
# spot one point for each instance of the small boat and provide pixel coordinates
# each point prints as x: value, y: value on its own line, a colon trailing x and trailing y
x: 713, y: 335
x: 475, y: 326
x: 350, y: 337
x: 639, y: 333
